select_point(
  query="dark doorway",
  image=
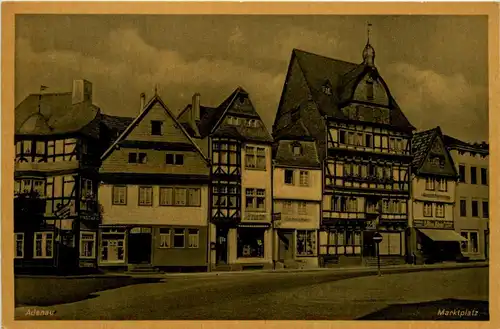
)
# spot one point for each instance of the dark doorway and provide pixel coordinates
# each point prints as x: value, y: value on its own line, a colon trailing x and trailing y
x: 369, y: 247
x: 221, y: 245
x: 285, y: 251
x: 139, y: 247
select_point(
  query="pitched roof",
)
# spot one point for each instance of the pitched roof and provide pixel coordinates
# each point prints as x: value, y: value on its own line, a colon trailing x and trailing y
x: 343, y: 77
x: 295, y: 130
x: 155, y: 99
x: 284, y: 155
x: 211, y: 119
x: 452, y: 142
x: 420, y: 145
x: 115, y: 126
x: 54, y: 113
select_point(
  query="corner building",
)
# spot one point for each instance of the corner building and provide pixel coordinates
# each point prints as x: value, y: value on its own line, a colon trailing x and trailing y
x: 364, y: 142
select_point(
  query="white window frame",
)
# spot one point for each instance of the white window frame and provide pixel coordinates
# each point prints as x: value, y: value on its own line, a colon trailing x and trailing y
x: 165, y: 237
x: 44, y: 245
x: 16, y: 240
x: 140, y: 201
x: 440, y: 209
x: 427, y: 205
x: 254, y: 193
x: 82, y: 249
x: 304, y: 178
x: 443, y: 185
x: 124, y: 246
x: 430, y: 184
x: 116, y: 191
x: 195, y: 237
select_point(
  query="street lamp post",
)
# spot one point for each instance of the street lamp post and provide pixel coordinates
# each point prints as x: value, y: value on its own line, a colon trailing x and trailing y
x: 377, y: 238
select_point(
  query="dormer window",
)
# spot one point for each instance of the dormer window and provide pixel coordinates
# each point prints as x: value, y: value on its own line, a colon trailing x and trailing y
x: 297, y: 150
x: 327, y: 89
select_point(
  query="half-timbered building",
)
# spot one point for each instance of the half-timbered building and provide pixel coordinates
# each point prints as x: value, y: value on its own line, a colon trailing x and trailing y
x: 363, y: 140
x: 153, y: 194
x: 56, y: 173
x: 239, y: 146
x: 431, y: 236
x: 297, y: 196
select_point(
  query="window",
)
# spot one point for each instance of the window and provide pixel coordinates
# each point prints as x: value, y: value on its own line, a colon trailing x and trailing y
x: 484, y: 176
x: 255, y: 157
x: 461, y: 173
x: 287, y: 207
x: 306, y: 243
x: 113, y: 246
x: 443, y: 185
x: 429, y: 184
x: 342, y: 138
x: 463, y: 208
x: 87, y: 191
x: 179, y: 238
x: 132, y: 158
x: 302, y: 208
x: 427, y: 209
x: 473, y: 175
x: 19, y: 245
x: 165, y: 238
x: 358, y: 139
x: 180, y: 197
x: 368, y: 140
x: 250, y: 242
x: 440, y: 210
x: 87, y: 244
x: 39, y: 187
x: 119, y: 195
x: 297, y: 150
x: 304, y: 178
x: 194, y: 197
x: 472, y: 243
x: 145, y: 196
x: 193, y: 238
x: 44, y: 243
x: 475, y: 208
x: 486, y: 213
x: 288, y: 176
x: 142, y: 158
x: 174, y: 159
x: 255, y: 199
x: 156, y: 128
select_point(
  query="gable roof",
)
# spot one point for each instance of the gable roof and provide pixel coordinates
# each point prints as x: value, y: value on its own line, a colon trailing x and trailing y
x: 343, y: 77
x: 422, y: 143
x: 295, y: 130
x: 454, y: 143
x: 211, y: 119
x: 55, y: 113
x: 155, y: 99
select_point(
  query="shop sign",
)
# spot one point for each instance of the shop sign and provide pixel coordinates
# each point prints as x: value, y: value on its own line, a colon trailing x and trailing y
x: 433, y: 224
x: 86, y: 264
x: 137, y: 230
x: 256, y: 217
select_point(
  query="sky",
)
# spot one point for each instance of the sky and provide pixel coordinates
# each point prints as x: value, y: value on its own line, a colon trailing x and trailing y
x: 436, y: 67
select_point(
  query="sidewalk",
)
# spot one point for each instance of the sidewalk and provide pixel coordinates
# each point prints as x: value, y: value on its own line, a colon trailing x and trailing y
x: 335, y: 270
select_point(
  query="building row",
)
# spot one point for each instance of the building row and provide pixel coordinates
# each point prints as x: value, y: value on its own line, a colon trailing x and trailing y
x: 212, y: 189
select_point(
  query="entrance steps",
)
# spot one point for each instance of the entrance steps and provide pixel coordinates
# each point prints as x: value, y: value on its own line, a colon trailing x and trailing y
x: 142, y: 269
x: 384, y: 261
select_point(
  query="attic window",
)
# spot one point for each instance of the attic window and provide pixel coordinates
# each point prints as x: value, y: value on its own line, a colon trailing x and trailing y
x: 327, y: 90
x: 156, y: 128
x: 297, y: 150
x: 369, y: 89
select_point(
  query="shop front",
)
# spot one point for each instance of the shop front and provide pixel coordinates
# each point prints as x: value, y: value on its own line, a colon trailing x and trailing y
x: 438, y: 245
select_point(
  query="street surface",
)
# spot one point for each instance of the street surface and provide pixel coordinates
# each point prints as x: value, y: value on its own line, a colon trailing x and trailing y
x: 272, y: 296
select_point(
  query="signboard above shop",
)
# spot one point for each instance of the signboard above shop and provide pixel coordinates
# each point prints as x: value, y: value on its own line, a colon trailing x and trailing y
x: 433, y: 224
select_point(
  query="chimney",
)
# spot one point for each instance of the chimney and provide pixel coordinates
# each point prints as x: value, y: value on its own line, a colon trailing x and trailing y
x: 143, y: 102
x: 82, y: 91
x: 195, y: 108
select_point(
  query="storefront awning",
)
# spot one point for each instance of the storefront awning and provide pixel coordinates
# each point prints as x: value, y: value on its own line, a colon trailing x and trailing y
x: 443, y: 235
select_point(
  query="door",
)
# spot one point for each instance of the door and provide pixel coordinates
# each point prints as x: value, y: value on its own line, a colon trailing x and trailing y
x: 221, y: 245
x: 139, y: 247
x: 286, y: 249
x: 369, y: 247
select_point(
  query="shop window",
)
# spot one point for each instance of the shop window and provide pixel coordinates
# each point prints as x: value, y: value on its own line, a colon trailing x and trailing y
x: 472, y: 243
x: 165, y: 238
x: 119, y: 195
x: 250, y: 242
x: 306, y: 243
x: 44, y: 245
x: 19, y: 244
x: 179, y: 238
x: 113, y: 246
x: 145, y: 196
x: 193, y: 238
x: 87, y: 245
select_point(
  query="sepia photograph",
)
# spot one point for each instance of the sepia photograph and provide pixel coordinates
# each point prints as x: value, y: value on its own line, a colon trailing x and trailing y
x: 250, y: 167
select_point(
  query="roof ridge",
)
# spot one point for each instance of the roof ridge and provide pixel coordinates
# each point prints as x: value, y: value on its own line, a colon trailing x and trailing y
x: 319, y: 55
